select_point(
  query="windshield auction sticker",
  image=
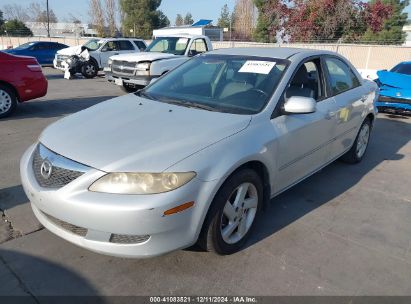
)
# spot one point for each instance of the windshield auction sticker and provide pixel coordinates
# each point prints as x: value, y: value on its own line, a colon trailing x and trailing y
x: 258, y: 67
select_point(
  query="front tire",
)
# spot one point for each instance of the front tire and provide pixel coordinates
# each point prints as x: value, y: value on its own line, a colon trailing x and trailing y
x: 232, y: 213
x: 8, y: 101
x: 358, y: 149
x: 89, y: 69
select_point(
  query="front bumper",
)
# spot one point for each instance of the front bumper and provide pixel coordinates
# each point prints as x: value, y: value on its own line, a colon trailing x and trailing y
x: 388, y: 102
x: 133, y: 80
x: 103, y: 215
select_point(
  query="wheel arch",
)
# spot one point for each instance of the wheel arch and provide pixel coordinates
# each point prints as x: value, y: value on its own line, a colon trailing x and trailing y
x: 11, y: 87
x: 371, y: 117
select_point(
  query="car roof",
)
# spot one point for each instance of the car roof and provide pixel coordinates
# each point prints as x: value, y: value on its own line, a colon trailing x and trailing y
x: 114, y: 39
x: 271, y: 52
x: 181, y: 36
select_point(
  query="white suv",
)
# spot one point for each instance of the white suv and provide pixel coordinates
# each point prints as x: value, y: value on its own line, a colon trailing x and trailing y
x: 100, y: 51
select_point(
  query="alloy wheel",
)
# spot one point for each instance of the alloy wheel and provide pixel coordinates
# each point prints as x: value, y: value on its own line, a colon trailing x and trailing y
x: 239, y: 213
x: 5, y: 101
x: 363, y: 139
x: 90, y: 69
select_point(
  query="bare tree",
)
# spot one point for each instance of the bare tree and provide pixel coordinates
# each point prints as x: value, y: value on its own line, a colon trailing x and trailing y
x: 245, y: 14
x: 97, y: 17
x: 38, y: 13
x: 111, y: 11
x: 16, y: 11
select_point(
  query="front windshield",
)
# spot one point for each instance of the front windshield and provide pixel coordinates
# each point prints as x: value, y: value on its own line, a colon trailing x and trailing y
x: 224, y: 83
x: 171, y: 45
x: 92, y: 45
x: 25, y: 45
x: 402, y: 68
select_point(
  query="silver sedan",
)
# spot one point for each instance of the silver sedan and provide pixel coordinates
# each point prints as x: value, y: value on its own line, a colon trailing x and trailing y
x: 193, y: 157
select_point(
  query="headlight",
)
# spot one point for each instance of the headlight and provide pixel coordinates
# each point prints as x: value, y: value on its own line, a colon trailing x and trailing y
x: 110, y: 62
x: 141, y: 183
x: 69, y: 60
x: 143, y: 66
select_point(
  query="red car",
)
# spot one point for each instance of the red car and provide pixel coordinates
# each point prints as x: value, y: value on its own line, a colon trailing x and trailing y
x: 21, y: 79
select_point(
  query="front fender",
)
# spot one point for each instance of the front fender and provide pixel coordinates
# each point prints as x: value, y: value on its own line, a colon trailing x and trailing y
x: 220, y: 160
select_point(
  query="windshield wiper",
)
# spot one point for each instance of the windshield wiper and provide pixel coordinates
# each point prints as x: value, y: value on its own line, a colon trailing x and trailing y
x: 189, y: 104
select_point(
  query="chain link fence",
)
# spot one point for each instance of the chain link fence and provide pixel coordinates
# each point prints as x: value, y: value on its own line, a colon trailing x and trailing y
x: 363, y: 56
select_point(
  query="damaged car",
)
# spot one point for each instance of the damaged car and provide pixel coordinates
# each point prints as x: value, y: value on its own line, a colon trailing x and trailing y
x: 395, y: 89
x: 100, y: 50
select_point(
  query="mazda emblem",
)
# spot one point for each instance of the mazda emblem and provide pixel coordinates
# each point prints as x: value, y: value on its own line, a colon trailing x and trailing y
x: 46, y: 169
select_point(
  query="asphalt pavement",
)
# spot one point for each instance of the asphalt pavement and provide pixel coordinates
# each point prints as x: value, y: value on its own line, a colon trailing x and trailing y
x: 344, y: 231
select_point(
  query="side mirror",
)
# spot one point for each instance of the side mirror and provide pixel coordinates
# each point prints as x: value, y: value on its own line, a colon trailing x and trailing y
x: 192, y: 53
x: 300, y: 105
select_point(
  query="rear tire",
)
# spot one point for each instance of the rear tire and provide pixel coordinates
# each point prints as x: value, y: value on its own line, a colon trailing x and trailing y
x: 233, y: 213
x: 8, y: 101
x: 358, y: 149
x: 89, y: 69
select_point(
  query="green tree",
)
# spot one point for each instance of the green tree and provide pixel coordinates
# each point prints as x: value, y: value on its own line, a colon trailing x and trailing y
x: 163, y: 20
x: 265, y: 21
x: 179, y: 20
x: 16, y: 28
x: 140, y: 16
x: 188, y: 19
x: 225, y: 18
x: 391, y: 32
x: 1, y: 19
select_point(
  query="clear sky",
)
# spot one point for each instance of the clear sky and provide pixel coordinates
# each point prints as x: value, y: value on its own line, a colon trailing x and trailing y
x: 200, y: 9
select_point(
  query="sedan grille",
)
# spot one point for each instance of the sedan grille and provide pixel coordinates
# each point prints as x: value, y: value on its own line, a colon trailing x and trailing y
x: 52, y: 170
x: 80, y: 231
x: 123, y: 67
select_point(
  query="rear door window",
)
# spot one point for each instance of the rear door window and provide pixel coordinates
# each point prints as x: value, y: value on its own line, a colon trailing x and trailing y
x: 125, y: 45
x: 141, y: 46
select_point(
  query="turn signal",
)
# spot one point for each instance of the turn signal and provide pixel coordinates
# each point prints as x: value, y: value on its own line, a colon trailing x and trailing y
x: 179, y: 208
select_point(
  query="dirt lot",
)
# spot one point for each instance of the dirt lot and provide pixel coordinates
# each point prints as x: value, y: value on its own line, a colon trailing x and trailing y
x: 344, y: 231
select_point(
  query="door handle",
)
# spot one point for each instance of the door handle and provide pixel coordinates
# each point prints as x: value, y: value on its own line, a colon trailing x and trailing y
x: 330, y: 115
x: 116, y: 53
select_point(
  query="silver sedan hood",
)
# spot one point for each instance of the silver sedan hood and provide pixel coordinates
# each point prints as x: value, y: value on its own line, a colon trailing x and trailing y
x: 132, y: 134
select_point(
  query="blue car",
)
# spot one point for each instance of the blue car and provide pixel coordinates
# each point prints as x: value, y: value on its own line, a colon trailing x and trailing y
x: 395, y: 89
x: 43, y: 51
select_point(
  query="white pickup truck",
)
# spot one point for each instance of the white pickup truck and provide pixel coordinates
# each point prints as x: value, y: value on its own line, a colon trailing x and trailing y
x: 100, y: 51
x: 135, y: 70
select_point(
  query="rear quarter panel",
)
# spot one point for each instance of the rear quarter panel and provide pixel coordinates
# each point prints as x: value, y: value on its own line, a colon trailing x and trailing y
x: 27, y: 84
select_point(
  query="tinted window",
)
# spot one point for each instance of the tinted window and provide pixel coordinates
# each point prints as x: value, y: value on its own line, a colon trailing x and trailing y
x: 234, y: 84
x: 41, y: 46
x: 141, y: 46
x: 402, y: 68
x: 341, y: 76
x: 125, y: 45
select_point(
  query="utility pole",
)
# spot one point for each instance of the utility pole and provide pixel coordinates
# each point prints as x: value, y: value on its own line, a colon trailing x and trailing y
x: 48, y: 19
